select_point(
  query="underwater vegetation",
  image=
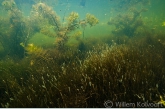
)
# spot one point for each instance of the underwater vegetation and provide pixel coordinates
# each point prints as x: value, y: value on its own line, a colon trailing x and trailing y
x: 127, y: 64
x: 14, y: 31
x: 42, y: 19
x: 127, y: 72
x: 129, y: 24
x: 60, y: 31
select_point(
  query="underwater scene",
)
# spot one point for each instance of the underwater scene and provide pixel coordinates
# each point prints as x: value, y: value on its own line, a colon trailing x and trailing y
x: 82, y: 53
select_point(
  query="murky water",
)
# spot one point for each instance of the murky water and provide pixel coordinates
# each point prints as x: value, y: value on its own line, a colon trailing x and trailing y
x: 82, y: 53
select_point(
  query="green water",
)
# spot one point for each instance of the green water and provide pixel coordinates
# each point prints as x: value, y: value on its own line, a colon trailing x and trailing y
x: 82, y: 53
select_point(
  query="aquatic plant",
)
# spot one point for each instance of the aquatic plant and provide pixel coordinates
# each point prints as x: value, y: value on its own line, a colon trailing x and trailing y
x: 42, y: 19
x: 9, y: 4
x: 43, y: 13
x: 91, y: 19
x: 32, y: 49
x: 43, y: 10
x: 125, y: 69
x: 129, y: 72
x: 162, y: 101
x: 48, y: 31
x: 163, y: 24
x: 16, y: 30
x: 72, y: 19
x: 128, y: 24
